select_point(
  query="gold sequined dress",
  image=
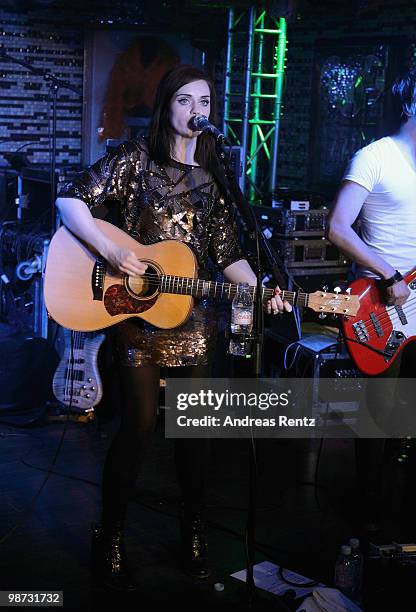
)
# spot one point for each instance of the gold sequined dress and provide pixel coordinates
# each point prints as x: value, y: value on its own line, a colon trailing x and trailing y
x: 175, y: 201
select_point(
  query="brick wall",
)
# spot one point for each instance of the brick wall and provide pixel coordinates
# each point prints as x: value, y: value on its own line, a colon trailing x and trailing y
x: 47, y: 43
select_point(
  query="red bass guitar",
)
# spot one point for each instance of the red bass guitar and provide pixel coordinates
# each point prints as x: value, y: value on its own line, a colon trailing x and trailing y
x: 378, y: 333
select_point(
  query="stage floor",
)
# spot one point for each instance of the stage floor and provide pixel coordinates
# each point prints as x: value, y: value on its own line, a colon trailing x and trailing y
x: 300, y: 522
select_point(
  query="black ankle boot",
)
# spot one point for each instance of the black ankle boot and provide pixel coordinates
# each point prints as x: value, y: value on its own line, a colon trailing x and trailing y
x: 194, y: 546
x: 108, y: 558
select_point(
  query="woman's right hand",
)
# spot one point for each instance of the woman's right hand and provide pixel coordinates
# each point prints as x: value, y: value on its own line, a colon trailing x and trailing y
x: 123, y: 260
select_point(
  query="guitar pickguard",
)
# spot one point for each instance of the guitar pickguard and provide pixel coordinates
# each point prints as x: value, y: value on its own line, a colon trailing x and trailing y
x: 118, y: 301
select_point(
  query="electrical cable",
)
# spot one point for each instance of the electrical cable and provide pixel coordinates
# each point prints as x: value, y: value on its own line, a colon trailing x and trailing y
x: 297, y: 349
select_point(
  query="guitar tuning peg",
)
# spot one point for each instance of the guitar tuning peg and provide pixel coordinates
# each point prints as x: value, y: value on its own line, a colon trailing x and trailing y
x: 325, y: 288
x: 337, y: 289
x: 349, y: 291
x: 322, y: 315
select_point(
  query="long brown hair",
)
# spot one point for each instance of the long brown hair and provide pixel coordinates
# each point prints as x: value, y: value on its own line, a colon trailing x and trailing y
x: 160, y: 132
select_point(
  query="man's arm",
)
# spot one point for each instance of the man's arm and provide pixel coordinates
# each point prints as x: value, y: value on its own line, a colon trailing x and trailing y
x: 348, y: 204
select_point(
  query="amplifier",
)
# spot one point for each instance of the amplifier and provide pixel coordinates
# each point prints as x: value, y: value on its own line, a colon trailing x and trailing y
x: 289, y: 223
x: 343, y: 387
x: 304, y: 222
x: 323, y: 276
x: 310, y: 253
x: 342, y: 391
x: 27, y: 366
x: 299, y: 199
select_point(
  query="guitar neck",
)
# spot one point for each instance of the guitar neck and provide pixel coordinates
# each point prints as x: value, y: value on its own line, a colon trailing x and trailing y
x: 211, y: 289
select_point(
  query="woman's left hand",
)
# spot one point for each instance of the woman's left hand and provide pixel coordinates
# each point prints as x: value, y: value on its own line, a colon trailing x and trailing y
x: 276, y: 305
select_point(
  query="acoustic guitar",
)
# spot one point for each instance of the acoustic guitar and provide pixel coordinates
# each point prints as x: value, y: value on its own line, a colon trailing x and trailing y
x: 83, y: 293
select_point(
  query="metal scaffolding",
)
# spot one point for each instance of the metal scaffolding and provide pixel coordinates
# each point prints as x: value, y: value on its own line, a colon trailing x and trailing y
x: 253, y: 92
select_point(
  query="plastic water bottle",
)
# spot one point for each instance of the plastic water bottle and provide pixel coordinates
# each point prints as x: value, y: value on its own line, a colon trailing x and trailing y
x: 344, y: 579
x: 241, y: 320
x: 358, y: 561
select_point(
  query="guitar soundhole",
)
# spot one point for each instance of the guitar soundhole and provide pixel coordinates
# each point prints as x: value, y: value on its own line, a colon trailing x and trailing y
x: 145, y: 286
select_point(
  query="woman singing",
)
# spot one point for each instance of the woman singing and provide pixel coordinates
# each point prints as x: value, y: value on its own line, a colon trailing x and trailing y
x: 164, y: 189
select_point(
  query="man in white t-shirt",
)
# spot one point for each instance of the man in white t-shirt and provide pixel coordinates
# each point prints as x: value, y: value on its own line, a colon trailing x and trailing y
x: 379, y: 187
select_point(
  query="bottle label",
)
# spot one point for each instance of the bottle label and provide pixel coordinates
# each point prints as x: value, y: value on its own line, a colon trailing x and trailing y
x: 242, y: 317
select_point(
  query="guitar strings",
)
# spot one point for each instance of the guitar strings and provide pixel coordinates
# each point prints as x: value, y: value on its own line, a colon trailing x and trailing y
x: 393, y: 317
x: 385, y: 316
x: 390, y: 314
x: 176, y: 281
x: 67, y: 372
x: 179, y: 280
x: 75, y: 344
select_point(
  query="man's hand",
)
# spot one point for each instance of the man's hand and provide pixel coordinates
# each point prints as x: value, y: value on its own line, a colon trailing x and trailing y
x: 276, y: 305
x: 397, y: 294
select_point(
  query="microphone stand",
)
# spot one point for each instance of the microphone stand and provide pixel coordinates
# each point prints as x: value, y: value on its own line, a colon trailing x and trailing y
x: 226, y: 178
x: 54, y: 85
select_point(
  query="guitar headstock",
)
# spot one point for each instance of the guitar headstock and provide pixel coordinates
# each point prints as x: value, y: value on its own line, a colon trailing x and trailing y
x: 334, y: 303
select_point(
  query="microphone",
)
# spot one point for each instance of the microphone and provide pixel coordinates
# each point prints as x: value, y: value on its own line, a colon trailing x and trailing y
x: 201, y: 123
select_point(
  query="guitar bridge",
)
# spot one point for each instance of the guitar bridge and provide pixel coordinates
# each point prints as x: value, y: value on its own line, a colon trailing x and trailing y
x: 361, y: 331
x: 97, y: 279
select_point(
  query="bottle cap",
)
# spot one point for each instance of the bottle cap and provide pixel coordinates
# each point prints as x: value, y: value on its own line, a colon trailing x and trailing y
x: 345, y: 549
x: 354, y: 542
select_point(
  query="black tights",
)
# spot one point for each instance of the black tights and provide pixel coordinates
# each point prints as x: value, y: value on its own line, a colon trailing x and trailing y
x: 139, y: 405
